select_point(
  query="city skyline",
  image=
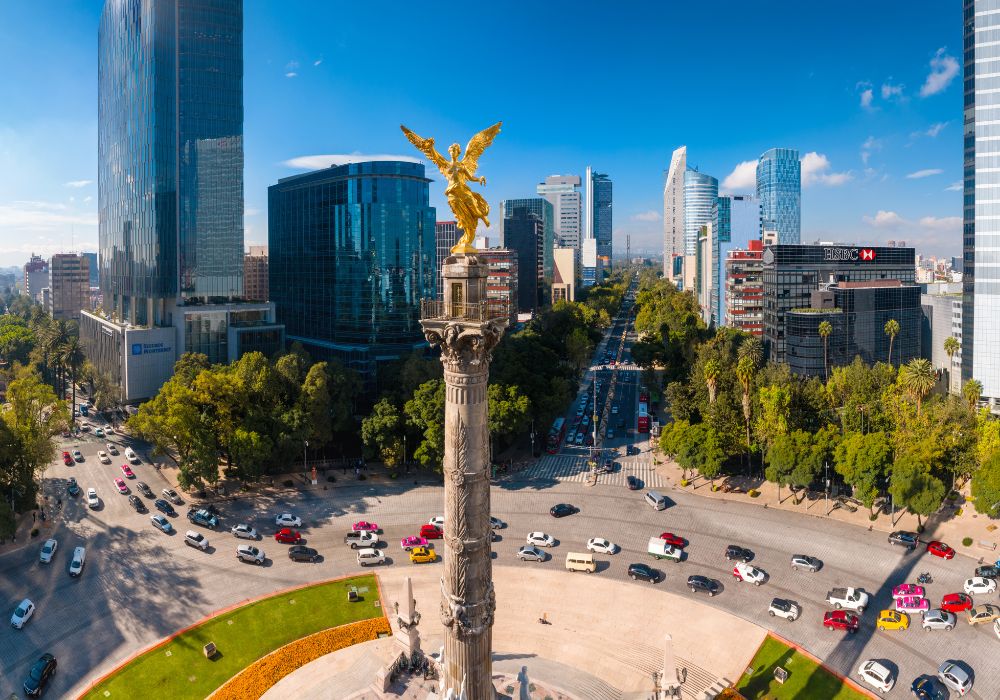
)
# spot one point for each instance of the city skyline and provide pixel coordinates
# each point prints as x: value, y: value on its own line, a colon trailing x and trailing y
x: 878, y: 132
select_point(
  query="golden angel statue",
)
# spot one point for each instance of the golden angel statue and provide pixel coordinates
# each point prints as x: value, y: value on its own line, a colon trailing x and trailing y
x: 469, y: 207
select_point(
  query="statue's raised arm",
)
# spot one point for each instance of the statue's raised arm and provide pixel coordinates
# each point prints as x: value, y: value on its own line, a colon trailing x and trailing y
x: 426, y: 146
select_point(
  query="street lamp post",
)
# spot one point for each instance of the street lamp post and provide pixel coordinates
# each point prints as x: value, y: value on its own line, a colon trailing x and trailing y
x: 532, y: 438
x: 826, y: 481
x: 305, y: 465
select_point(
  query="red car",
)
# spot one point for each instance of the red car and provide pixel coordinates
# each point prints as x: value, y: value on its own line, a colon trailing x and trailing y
x: 840, y: 620
x: 940, y: 549
x: 956, y: 602
x: 430, y: 532
x: 673, y: 540
x: 287, y: 535
x: 67, y: 459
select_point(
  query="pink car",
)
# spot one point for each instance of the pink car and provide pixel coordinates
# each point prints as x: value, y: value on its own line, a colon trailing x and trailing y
x: 364, y: 526
x: 127, y: 471
x: 907, y: 589
x: 120, y: 485
x: 408, y: 543
x: 912, y: 604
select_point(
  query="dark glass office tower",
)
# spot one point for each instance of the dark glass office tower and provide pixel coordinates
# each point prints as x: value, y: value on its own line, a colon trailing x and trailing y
x: 352, y: 253
x: 170, y: 155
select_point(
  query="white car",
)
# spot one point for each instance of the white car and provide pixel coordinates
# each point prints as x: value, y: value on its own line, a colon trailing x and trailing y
x: 79, y: 559
x: 244, y: 532
x: 130, y: 454
x: 530, y: 554
x: 196, y: 539
x: 160, y: 522
x: 48, y: 549
x: 22, y: 613
x: 103, y: 456
x: 112, y: 449
x: 979, y: 585
x: 497, y: 523
x: 954, y: 677
x: 744, y: 571
x: 437, y: 521
x: 540, y: 539
x: 788, y: 609
x: 877, y: 676
x: 288, y: 520
x: 250, y: 554
x: 92, y: 500
x: 601, y: 546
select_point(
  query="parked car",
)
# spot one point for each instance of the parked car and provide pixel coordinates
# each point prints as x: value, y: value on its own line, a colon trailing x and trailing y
x: 940, y: 549
x: 196, y: 539
x: 249, y: 554
x: 780, y: 607
x: 893, y: 620
x: 840, y: 620
x: 203, y: 517
x: 912, y: 603
x: 172, y: 496
x: 67, y: 459
x: 980, y: 586
x: 102, y: 456
x: 601, y: 545
x: 48, y: 551
x: 737, y: 553
x: 928, y: 688
x: 421, y: 555
x: 22, y: 613
x: 365, y: 526
x: 142, y: 488
x: 540, y: 539
x: 938, y: 619
x: 806, y: 562
x: 72, y: 488
x: 287, y: 535
x: 288, y: 520
x: 408, y: 543
x: 77, y: 562
x: 983, y: 613
x: 633, y: 483
x: 644, y: 572
x: 244, y: 532
x: 431, y: 532
x: 703, y: 584
x: 988, y: 571
x: 877, y: 676
x: 39, y: 675
x: 750, y: 573
x: 161, y: 523
x: 164, y: 507
x: 497, y: 523
x: 121, y: 485
x: 955, y: 677
x: 77, y: 456
x: 137, y: 503
x: 956, y: 602
x: 361, y: 538
x: 902, y: 538
x: 907, y: 589
x: 561, y: 510
x: 529, y: 553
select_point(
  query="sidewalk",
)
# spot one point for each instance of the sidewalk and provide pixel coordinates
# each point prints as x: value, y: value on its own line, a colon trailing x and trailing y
x: 954, y: 522
x: 22, y: 536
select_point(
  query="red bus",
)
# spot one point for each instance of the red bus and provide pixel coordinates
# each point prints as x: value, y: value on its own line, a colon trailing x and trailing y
x: 644, y: 395
x: 642, y: 424
x: 556, y: 436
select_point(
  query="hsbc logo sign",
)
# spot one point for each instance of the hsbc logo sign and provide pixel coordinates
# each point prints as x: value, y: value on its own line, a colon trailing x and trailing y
x: 849, y: 254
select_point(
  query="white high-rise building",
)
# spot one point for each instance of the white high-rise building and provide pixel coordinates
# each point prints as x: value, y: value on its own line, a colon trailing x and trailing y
x: 563, y: 192
x: 673, y: 216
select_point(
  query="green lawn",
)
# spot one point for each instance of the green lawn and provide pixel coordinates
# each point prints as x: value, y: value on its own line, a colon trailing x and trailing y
x: 806, y: 679
x: 179, y: 669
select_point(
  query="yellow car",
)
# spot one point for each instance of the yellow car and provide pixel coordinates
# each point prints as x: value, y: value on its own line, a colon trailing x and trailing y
x: 419, y: 555
x: 893, y: 620
x: 983, y: 613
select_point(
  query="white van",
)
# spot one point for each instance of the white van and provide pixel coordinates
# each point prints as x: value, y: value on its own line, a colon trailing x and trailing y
x: 656, y: 500
x: 580, y: 562
x: 370, y: 557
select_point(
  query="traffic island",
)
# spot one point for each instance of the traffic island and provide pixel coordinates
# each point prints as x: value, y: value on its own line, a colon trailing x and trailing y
x: 779, y: 671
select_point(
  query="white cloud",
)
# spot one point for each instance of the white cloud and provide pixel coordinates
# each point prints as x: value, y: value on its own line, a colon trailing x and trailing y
x: 885, y: 219
x: 743, y: 177
x: 291, y: 69
x: 318, y: 62
x: 42, y: 216
x: 866, y: 98
x: 936, y: 129
x: 651, y: 215
x: 871, y: 144
x: 319, y: 162
x: 815, y: 167
x: 250, y: 211
x: 889, y: 90
x: 291, y: 74
x: 944, y: 68
x: 944, y: 224
x: 927, y: 224
x: 926, y: 172
x: 77, y: 183
x: 87, y: 199
x: 956, y: 186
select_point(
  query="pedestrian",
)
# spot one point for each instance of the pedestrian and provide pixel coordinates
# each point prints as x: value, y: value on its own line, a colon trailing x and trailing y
x: 33, y: 514
x: 43, y: 516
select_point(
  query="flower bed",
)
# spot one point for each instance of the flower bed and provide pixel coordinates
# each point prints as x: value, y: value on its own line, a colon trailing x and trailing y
x: 257, y: 679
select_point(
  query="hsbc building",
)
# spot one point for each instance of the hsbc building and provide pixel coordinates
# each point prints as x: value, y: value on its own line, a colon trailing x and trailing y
x: 793, y: 272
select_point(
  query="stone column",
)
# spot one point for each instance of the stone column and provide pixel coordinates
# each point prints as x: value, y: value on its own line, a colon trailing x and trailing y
x: 466, y: 328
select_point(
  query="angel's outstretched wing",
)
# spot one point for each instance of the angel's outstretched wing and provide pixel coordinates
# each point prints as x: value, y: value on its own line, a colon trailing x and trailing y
x: 478, y: 144
x: 426, y: 146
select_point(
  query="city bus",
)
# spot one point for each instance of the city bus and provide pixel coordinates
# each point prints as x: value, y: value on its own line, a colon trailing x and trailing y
x: 556, y: 435
x: 642, y: 424
x: 644, y: 395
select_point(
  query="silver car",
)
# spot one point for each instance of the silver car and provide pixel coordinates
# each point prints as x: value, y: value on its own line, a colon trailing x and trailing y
x: 954, y: 677
x: 804, y: 561
x: 938, y: 619
x: 528, y: 553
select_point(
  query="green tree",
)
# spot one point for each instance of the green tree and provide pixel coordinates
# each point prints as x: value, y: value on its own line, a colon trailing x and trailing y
x: 863, y: 461
x: 425, y: 411
x: 915, y: 488
x: 772, y: 419
x: 781, y: 458
x: 710, y: 371
x: 972, y: 390
x: 951, y: 348
x: 987, y: 436
x: 708, y: 454
x: 746, y: 369
x: 382, y: 433
x: 825, y: 329
x: 509, y: 412
x: 579, y: 348
x: 315, y: 404
x: 891, y: 330
x: 917, y: 378
x: 986, y: 486
x: 251, y: 453
x: 73, y: 359
x: 16, y: 339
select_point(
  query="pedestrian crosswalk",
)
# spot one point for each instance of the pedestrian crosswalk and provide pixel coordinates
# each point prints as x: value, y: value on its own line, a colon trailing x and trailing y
x: 574, y: 468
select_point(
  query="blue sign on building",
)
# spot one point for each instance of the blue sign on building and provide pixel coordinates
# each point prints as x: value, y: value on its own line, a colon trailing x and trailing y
x: 136, y: 348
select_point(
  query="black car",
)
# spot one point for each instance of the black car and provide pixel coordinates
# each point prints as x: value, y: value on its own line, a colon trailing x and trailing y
x: 704, y: 584
x: 561, y: 510
x: 164, y: 507
x: 142, y: 488
x: 633, y: 483
x: 988, y: 571
x: 902, y: 538
x: 644, y: 572
x: 928, y: 688
x: 136, y: 503
x: 39, y: 675
x: 737, y: 553
x: 299, y: 552
x: 609, y: 466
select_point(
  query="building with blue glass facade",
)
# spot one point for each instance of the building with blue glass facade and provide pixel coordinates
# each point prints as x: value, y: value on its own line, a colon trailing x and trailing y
x: 543, y: 209
x: 779, y: 189
x: 701, y: 192
x: 599, y: 213
x: 352, y: 253
x: 735, y: 222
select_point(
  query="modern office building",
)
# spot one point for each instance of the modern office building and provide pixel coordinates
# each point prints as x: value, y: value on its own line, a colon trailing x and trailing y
x: 744, y: 281
x: 857, y: 313
x: 779, y: 190
x: 524, y: 233
x: 942, y: 308
x: 981, y: 224
x: 352, y: 253
x: 543, y: 209
x: 446, y: 235
x: 563, y: 193
x: 564, y: 280
x: 36, y: 277
x: 673, y: 216
x: 95, y: 275
x: 599, y: 220
x: 69, y: 286
x: 255, y: 286
x: 590, y: 263
x: 793, y: 272
x: 501, y: 281
x: 170, y: 193
x: 701, y: 193
x: 735, y: 223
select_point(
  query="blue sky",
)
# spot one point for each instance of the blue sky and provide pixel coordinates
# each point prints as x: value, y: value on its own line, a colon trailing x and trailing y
x: 873, y: 91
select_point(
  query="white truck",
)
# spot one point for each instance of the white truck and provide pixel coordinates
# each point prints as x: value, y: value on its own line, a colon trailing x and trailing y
x: 850, y: 598
x: 661, y: 550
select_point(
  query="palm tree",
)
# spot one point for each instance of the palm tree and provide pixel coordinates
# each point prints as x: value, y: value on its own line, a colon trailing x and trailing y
x: 951, y: 347
x: 73, y: 358
x: 825, y: 329
x: 745, y: 371
x: 711, y: 372
x: 891, y: 330
x: 971, y: 392
x: 752, y: 347
x: 918, y: 378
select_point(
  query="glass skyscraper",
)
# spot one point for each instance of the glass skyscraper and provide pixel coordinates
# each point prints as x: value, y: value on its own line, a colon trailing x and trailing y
x: 601, y: 214
x: 981, y: 201
x: 352, y: 253
x: 170, y: 155
x: 701, y: 192
x: 735, y: 222
x: 543, y: 209
x: 779, y: 189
